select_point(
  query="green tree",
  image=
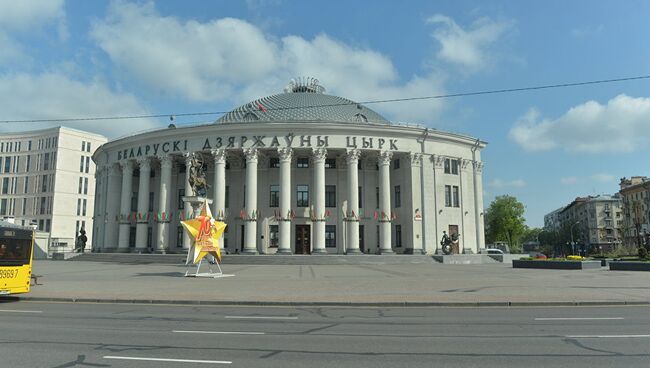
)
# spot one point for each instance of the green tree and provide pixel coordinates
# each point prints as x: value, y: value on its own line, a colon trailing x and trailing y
x: 504, y: 221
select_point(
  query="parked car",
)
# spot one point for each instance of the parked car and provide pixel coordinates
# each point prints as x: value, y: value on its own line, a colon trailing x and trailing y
x: 491, y: 251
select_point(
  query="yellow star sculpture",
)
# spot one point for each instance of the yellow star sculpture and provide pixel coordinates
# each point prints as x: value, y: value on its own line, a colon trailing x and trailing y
x: 205, y: 233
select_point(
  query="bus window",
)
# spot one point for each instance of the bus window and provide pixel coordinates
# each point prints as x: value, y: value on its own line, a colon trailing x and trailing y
x: 15, y: 252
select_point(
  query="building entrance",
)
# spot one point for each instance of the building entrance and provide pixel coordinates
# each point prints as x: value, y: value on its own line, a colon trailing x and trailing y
x: 303, y: 239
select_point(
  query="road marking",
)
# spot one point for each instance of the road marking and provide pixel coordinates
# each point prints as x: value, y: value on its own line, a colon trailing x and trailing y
x: 169, y: 360
x: 259, y: 317
x: 221, y: 332
x: 607, y: 336
x: 19, y: 311
x: 577, y: 319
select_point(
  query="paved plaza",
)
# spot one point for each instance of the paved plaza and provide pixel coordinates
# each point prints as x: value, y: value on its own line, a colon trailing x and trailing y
x: 363, y: 283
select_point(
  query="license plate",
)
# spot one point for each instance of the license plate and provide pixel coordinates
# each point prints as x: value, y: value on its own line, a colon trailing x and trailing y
x: 4, y: 292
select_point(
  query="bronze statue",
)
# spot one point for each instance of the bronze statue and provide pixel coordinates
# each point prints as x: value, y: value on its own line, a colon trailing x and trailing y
x: 197, y: 179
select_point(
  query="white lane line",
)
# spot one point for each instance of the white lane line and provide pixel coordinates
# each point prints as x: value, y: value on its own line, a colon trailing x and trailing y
x: 220, y: 332
x: 19, y: 311
x: 169, y: 360
x: 259, y: 317
x: 577, y: 319
x: 607, y: 336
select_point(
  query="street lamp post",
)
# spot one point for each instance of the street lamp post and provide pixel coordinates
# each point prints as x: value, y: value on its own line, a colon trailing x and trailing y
x: 573, y: 244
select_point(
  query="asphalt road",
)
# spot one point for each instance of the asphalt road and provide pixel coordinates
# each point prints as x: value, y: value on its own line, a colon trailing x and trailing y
x: 34, y: 334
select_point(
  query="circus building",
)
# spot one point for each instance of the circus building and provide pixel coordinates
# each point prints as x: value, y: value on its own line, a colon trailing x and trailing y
x: 300, y: 172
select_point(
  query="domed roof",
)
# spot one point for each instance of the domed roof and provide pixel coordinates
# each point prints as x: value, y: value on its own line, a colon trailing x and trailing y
x: 304, y: 100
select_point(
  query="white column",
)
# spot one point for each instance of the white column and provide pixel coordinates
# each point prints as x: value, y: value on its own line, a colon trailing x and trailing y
x: 164, y: 200
x: 219, y: 209
x: 142, y: 224
x: 384, y: 203
x: 125, y: 206
x: 250, y: 231
x: 284, y: 245
x: 187, y: 208
x: 112, y: 209
x: 352, y: 216
x: 318, y: 217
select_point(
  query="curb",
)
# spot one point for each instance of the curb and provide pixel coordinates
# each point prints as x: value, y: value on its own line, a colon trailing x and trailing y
x: 405, y: 304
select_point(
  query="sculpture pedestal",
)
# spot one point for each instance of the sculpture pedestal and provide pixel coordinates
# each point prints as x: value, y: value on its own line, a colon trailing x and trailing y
x: 195, y: 203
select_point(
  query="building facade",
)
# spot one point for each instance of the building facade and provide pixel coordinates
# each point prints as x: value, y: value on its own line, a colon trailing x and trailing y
x: 48, y: 180
x: 595, y: 221
x: 300, y: 172
x: 552, y: 220
x: 635, y: 196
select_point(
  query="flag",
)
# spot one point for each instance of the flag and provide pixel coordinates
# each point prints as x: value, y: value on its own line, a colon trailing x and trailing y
x: 259, y: 105
x: 376, y: 215
x: 242, y: 214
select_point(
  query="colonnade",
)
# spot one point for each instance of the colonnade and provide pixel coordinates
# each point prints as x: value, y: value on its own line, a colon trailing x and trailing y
x: 250, y: 215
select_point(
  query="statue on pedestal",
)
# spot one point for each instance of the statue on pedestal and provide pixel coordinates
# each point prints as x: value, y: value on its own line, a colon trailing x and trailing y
x: 197, y: 179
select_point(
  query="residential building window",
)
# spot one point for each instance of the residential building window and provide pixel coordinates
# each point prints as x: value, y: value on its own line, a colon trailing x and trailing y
x: 85, y: 185
x: 456, y: 196
x: 5, y: 185
x: 302, y: 162
x: 330, y: 196
x: 46, y: 161
x: 398, y: 236
x: 447, y: 195
x: 302, y: 195
x: 87, y: 164
x: 87, y: 146
x: 83, y: 145
x: 330, y: 163
x: 48, y: 224
x: 28, y: 164
x: 44, y: 184
x: 398, y: 196
x: 330, y: 236
x: 274, y: 237
x: 7, y: 164
x: 274, y: 162
x: 181, y: 194
x: 81, y: 164
x: 24, y: 209
x: 26, y: 188
x: 78, y: 206
x: 274, y: 199
x: 3, y: 207
x: 81, y: 184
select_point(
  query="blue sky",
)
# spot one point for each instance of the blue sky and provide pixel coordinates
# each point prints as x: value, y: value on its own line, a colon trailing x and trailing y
x: 105, y: 58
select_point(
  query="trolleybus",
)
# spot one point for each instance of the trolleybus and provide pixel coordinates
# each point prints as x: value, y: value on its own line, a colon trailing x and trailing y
x: 16, y: 245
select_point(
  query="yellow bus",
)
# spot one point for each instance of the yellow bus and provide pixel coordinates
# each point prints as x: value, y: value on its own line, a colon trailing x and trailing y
x: 16, y: 246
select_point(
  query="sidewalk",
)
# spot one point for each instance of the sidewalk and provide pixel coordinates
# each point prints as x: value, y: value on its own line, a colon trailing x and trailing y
x: 358, y: 284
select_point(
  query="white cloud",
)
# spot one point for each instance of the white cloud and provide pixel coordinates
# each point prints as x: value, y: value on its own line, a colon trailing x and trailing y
x: 52, y: 96
x: 498, y: 183
x: 604, y: 178
x: 587, y: 31
x: 467, y: 47
x: 232, y: 60
x: 27, y: 14
x: 621, y: 125
x: 570, y: 180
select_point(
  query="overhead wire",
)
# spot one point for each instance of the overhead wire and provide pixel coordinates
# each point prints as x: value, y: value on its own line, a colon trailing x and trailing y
x: 405, y: 99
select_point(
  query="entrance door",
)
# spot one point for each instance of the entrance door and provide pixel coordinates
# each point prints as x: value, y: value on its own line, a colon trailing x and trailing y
x: 455, y: 246
x: 303, y: 239
x: 362, y: 243
x: 241, y: 242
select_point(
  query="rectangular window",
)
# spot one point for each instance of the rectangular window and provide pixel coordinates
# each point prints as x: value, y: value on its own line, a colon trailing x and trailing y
x: 377, y: 196
x: 29, y: 161
x: 181, y: 194
x: 24, y: 209
x: 227, y: 204
x: 81, y: 184
x: 7, y: 164
x: 302, y: 162
x: 330, y: 196
x: 149, y: 237
x: 44, y: 184
x: 398, y: 196
x: 87, y: 164
x: 447, y: 166
x: 83, y: 145
x: 179, y: 236
x: 46, y: 161
x: 396, y: 164
x: 274, y: 237
x: 330, y: 163
x: 274, y: 162
x: 87, y: 146
x: 81, y: 164
x: 85, y: 185
x: 454, y: 167
x: 150, y: 209
x: 456, y: 196
x: 29, y: 145
x: 274, y: 199
x: 330, y: 236
x: 3, y: 207
x: 5, y: 185
x: 78, y: 206
x: 302, y: 195
x: 398, y: 236
x: 447, y: 195
x: 360, y: 198
x: 48, y: 224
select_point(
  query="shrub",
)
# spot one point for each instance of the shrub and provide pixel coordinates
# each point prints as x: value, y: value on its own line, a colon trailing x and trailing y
x: 643, y: 253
